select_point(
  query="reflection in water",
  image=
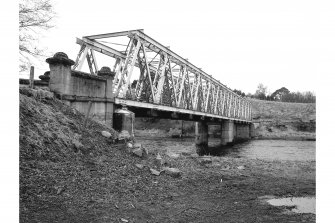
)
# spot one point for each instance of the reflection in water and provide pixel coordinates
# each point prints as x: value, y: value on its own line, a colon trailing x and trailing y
x: 255, y: 149
x: 302, y: 204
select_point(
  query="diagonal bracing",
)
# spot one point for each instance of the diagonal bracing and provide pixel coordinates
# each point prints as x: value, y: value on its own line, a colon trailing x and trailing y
x: 164, y: 77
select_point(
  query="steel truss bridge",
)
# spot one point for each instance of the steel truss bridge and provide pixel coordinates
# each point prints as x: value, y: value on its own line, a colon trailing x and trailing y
x: 164, y: 80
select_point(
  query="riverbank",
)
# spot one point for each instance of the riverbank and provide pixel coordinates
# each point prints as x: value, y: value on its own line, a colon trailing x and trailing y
x: 284, y: 120
x: 272, y: 120
x: 73, y: 174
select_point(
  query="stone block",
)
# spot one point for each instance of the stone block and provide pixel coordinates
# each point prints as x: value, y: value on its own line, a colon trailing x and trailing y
x: 138, y: 152
x: 106, y: 134
x: 155, y: 172
x: 139, y: 166
x: 205, y: 160
x: 174, y: 172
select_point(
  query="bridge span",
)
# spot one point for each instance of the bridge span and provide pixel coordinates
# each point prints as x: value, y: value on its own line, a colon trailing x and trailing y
x: 151, y: 80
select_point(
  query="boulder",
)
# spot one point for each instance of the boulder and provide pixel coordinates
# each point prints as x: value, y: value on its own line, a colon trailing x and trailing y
x: 77, y: 144
x: 106, y: 134
x: 145, y: 152
x: 139, y: 166
x: 154, y: 172
x: 138, y: 152
x: 194, y: 155
x: 205, y: 160
x: 241, y: 167
x: 129, y: 145
x: 158, y: 161
x: 173, y: 155
x: 124, y: 135
x: 174, y: 172
x: 137, y: 145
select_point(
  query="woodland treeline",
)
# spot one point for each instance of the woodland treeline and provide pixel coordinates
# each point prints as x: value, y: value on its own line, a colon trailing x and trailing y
x: 281, y: 94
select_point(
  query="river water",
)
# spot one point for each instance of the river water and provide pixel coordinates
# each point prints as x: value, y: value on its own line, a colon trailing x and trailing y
x: 254, y: 149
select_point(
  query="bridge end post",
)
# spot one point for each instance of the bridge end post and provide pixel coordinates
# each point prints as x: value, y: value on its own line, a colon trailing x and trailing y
x: 60, y: 73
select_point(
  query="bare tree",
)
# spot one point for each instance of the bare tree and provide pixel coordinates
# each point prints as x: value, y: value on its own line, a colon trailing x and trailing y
x: 34, y: 16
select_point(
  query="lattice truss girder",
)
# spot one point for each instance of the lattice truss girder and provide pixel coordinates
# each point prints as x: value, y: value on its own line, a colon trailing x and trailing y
x: 165, y: 79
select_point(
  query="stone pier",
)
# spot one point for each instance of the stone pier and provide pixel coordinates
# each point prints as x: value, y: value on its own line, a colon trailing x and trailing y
x: 242, y: 132
x: 227, y: 132
x: 251, y: 130
x: 201, y: 134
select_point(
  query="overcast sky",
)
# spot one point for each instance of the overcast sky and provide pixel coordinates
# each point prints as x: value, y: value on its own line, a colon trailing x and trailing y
x: 240, y: 43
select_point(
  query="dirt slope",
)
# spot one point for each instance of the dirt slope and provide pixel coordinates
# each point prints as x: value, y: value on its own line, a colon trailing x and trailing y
x: 284, y: 120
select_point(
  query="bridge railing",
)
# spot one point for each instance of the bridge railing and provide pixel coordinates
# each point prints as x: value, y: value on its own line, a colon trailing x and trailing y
x: 163, y: 78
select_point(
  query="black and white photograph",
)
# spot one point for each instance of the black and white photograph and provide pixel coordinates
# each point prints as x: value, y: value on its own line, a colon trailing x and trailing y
x: 168, y: 111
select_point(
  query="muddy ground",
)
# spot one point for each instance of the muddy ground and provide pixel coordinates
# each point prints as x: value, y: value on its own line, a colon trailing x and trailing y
x: 72, y: 174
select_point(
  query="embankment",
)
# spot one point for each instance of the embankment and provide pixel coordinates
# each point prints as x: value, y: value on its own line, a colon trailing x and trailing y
x: 283, y: 120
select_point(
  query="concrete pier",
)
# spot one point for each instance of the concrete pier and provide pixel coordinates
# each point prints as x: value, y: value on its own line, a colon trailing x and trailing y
x: 251, y: 130
x: 227, y: 132
x: 242, y: 132
x: 201, y: 134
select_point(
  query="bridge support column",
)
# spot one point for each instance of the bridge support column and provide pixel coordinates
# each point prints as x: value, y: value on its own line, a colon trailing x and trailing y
x: 227, y: 132
x: 246, y: 131
x: 201, y: 133
x: 201, y: 138
x: 242, y: 131
x: 251, y: 130
x: 239, y: 131
x: 234, y: 131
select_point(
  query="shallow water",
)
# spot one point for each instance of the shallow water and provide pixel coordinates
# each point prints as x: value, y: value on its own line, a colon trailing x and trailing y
x: 254, y: 149
x: 273, y: 150
x: 302, y: 204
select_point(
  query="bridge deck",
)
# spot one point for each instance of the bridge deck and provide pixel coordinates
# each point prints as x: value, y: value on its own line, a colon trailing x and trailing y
x: 158, y: 107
